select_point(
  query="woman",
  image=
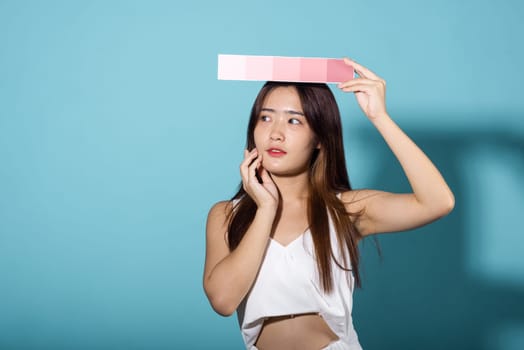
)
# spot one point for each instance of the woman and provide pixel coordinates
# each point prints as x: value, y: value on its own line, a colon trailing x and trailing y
x: 283, y: 252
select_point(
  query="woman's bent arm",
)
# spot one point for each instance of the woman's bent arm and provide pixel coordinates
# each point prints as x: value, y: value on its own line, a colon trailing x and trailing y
x: 228, y: 276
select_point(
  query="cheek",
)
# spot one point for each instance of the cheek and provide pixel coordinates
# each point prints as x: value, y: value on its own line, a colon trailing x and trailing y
x: 311, y: 142
x: 258, y: 134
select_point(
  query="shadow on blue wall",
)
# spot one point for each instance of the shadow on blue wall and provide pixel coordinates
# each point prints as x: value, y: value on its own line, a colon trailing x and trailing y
x: 422, y: 294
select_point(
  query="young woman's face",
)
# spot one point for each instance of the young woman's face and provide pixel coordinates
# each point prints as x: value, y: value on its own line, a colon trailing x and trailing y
x: 282, y: 135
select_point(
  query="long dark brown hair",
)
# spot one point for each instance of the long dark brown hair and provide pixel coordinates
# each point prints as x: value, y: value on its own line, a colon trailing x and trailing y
x: 327, y: 177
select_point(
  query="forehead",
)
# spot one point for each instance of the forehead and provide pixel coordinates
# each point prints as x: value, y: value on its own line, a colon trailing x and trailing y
x: 283, y: 97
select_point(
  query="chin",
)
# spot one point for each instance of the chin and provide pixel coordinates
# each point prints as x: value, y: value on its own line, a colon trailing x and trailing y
x: 286, y: 166
x: 282, y: 172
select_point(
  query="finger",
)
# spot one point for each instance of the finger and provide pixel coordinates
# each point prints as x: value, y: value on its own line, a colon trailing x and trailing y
x: 249, y: 153
x: 368, y: 89
x: 361, y: 89
x: 264, y: 175
x: 370, y: 86
x: 248, y: 160
x: 252, y: 170
x: 361, y: 70
x: 249, y: 156
x: 357, y: 81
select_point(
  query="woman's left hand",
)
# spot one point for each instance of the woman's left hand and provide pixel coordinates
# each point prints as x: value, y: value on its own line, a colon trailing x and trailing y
x: 369, y: 89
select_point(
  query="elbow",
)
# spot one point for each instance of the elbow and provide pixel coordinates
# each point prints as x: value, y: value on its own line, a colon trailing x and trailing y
x: 451, y: 204
x: 220, y: 302
x: 447, y: 205
x: 222, y: 306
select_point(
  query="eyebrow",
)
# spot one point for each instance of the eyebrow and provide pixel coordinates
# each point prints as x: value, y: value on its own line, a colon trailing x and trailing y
x: 288, y: 111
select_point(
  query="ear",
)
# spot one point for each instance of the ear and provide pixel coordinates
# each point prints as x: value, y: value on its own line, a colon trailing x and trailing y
x: 318, y: 146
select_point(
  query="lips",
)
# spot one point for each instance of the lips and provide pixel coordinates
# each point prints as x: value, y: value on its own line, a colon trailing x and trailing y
x: 276, y: 152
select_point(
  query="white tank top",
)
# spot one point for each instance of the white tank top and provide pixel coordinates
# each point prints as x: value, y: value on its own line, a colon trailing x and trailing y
x: 288, y: 283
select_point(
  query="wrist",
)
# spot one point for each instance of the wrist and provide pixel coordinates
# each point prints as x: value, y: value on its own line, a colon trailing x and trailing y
x: 380, y: 118
x: 268, y: 209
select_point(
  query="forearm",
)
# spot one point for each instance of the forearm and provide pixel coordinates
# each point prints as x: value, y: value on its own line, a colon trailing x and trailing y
x: 428, y: 185
x: 232, y: 277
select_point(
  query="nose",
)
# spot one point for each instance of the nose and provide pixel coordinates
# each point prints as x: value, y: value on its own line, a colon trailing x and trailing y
x: 277, y: 132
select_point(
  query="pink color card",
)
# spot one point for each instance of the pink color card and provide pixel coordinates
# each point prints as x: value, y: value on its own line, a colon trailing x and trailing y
x: 278, y: 68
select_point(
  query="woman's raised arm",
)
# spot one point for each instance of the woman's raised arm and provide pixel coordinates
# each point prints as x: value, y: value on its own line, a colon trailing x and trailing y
x: 389, y: 212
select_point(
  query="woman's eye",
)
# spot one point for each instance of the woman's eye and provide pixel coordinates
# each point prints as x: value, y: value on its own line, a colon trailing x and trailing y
x: 264, y: 118
x: 294, y: 121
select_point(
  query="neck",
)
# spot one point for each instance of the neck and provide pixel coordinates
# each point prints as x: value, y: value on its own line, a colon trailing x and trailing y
x: 293, y: 188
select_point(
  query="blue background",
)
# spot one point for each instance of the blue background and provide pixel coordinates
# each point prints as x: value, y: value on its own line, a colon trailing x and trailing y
x: 116, y: 138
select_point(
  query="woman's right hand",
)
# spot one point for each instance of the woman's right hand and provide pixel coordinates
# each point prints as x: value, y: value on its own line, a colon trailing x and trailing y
x: 264, y: 194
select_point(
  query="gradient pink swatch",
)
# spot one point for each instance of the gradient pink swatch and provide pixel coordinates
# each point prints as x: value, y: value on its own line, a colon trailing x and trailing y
x: 278, y: 68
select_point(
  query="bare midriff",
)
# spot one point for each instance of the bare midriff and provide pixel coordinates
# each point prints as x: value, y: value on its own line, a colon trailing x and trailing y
x: 303, y: 331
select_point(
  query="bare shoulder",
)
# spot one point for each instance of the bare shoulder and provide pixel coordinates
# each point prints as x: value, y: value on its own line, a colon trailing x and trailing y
x: 221, y: 208
x: 218, y: 214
